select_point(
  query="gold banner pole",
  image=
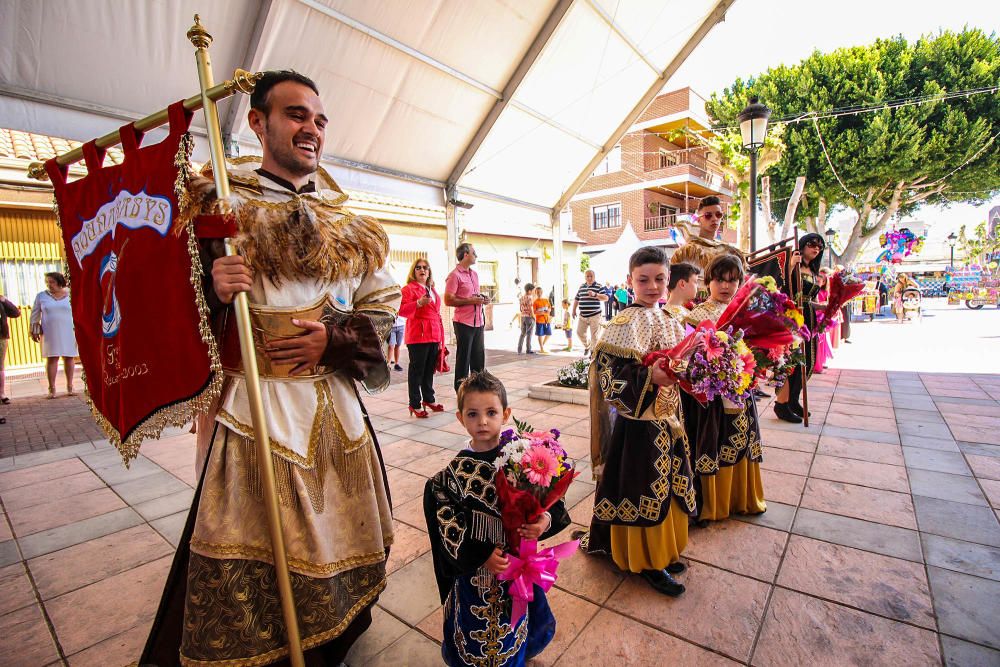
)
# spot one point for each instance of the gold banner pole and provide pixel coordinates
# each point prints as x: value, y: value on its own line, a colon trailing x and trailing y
x: 201, y: 40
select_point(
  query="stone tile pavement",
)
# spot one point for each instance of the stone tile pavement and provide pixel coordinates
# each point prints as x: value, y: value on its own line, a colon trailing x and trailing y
x: 881, y: 544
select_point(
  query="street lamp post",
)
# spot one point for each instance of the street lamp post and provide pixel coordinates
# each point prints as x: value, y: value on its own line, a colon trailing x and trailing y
x: 829, y: 244
x: 951, y: 242
x: 753, y: 128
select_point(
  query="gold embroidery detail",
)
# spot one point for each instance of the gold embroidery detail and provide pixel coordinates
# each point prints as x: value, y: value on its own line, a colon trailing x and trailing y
x: 491, y: 637
x: 247, y: 552
x: 378, y: 295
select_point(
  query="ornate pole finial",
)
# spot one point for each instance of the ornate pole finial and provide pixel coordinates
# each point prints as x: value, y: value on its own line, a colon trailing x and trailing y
x: 198, y: 35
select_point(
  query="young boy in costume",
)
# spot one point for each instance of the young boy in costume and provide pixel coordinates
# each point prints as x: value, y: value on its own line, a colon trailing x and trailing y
x: 640, y: 454
x: 467, y: 543
x: 727, y: 447
x: 682, y: 289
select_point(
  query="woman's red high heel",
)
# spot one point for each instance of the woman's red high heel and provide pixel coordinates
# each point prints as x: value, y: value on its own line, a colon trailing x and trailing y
x: 419, y: 414
x: 436, y: 407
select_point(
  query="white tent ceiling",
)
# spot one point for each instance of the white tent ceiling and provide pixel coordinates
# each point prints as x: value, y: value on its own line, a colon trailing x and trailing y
x: 512, y: 98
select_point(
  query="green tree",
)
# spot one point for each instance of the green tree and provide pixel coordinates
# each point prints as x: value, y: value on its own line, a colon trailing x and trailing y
x: 979, y: 247
x: 890, y: 160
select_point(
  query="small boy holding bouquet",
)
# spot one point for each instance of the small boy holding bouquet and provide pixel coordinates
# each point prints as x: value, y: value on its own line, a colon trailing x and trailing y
x: 639, y: 450
x: 726, y: 442
x: 469, y: 542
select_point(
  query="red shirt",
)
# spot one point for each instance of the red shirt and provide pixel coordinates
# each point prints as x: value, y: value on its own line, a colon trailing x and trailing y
x: 423, y: 323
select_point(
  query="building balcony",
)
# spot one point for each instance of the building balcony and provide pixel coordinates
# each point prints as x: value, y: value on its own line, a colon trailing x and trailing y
x: 659, y: 222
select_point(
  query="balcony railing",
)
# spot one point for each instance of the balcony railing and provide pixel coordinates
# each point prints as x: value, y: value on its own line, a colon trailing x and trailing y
x: 714, y: 178
x: 659, y: 222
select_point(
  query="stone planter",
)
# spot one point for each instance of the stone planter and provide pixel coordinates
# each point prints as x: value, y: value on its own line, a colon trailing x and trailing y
x: 553, y: 391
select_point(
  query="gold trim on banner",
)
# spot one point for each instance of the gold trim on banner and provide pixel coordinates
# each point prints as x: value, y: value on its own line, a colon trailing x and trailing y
x: 177, y: 414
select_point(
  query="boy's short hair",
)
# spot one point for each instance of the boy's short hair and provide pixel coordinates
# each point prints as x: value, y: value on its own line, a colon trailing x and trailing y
x: 270, y: 79
x: 724, y: 267
x: 565, y: 302
x: 681, y: 271
x: 647, y: 255
x: 482, y: 382
x: 710, y: 200
x: 529, y: 287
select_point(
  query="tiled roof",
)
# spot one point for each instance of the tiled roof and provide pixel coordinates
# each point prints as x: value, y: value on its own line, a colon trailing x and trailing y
x: 30, y: 146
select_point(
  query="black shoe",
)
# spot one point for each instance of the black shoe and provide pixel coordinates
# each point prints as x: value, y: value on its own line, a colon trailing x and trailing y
x: 797, y: 409
x: 760, y: 393
x: 785, y: 413
x: 662, y: 582
x: 675, y: 568
x: 397, y: 367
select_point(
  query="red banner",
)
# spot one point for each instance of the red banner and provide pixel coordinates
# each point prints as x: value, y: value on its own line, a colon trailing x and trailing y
x: 148, y: 356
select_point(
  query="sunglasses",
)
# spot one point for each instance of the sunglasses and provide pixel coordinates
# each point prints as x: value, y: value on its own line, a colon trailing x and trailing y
x: 421, y: 268
x: 711, y: 215
x: 814, y: 244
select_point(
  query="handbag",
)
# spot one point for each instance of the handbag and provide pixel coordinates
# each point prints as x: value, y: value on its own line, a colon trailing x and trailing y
x: 442, y: 360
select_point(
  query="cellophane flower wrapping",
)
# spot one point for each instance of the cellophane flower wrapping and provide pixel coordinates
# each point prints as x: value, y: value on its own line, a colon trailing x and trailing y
x: 723, y: 367
x: 842, y: 286
x: 775, y: 330
x: 533, y: 472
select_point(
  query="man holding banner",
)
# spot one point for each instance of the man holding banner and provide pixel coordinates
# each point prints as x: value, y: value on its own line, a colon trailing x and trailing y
x: 701, y: 249
x: 322, y: 303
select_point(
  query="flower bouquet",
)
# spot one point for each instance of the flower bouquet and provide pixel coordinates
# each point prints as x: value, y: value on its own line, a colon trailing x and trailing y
x: 774, y: 328
x: 710, y: 363
x: 533, y: 473
x: 843, y: 286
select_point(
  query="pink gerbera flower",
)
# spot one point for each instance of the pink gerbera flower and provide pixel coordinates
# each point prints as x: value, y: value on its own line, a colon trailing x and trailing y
x: 539, y: 465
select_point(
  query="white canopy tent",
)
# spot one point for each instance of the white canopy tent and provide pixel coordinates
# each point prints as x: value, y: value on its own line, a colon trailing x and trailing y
x: 430, y: 100
x: 612, y: 264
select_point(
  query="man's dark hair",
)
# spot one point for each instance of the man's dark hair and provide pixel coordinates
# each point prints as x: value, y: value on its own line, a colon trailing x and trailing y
x: 710, y: 200
x: 681, y: 271
x: 724, y: 267
x: 270, y: 79
x: 482, y: 382
x: 58, y: 277
x: 462, y: 250
x: 529, y: 288
x: 647, y: 255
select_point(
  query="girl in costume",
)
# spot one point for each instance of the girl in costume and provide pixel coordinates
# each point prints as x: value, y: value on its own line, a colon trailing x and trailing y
x: 725, y: 442
x: 639, y: 450
x: 805, y: 267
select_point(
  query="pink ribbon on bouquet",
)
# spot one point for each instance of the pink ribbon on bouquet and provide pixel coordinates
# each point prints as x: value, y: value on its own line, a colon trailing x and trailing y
x: 533, y: 567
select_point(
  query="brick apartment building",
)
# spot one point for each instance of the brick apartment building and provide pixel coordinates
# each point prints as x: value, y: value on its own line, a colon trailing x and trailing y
x: 651, y: 182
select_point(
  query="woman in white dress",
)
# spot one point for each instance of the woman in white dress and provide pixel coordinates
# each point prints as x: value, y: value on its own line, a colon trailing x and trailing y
x: 52, y: 322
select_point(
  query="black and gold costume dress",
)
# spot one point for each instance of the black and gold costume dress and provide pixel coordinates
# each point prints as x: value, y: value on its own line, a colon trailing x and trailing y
x: 462, y: 511
x: 727, y: 447
x: 806, y: 296
x: 639, y: 450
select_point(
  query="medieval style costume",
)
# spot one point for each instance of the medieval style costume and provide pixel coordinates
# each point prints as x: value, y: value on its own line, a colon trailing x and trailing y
x: 462, y: 510
x: 312, y: 260
x: 639, y: 451
x: 727, y: 447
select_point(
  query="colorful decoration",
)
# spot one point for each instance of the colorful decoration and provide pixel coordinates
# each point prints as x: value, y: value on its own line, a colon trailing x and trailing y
x: 898, y: 244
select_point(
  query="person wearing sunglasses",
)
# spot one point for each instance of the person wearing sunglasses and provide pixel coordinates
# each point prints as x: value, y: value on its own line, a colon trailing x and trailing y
x: 701, y: 249
x: 806, y: 264
x: 421, y: 306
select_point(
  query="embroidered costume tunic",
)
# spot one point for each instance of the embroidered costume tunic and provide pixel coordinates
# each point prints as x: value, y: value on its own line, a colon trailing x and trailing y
x: 726, y: 446
x: 462, y: 511
x: 640, y: 453
x: 307, y: 253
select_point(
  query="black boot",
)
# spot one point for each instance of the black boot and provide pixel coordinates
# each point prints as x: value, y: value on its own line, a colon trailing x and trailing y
x: 784, y: 412
x: 798, y: 409
x: 663, y: 582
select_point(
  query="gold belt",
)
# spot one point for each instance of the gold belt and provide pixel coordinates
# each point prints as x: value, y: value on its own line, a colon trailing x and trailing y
x: 269, y: 324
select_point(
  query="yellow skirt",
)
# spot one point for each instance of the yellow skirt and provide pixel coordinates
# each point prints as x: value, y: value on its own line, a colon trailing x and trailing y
x: 734, y: 489
x: 638, y: 548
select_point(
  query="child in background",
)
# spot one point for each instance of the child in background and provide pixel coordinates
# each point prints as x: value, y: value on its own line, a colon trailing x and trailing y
x: 395, y: 341
x: 639, y: 451
x: 683, y: 288
x: 467, y: 543
x: 543, y: 319
x: 567, y: 325
x: 727, y: 447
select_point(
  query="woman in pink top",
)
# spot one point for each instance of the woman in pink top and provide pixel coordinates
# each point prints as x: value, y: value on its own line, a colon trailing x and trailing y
x: 421, y: 306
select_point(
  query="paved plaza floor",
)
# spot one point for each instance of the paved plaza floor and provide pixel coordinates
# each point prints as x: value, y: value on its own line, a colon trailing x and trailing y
x: 880, y: 545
